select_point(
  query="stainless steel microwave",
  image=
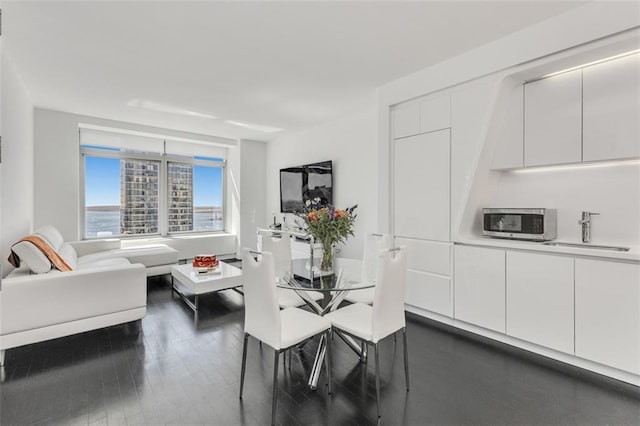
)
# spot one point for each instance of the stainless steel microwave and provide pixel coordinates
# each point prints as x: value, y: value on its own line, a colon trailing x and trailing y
x: 520, y: 224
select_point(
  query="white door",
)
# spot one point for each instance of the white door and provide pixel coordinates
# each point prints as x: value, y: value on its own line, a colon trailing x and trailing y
x: 421, y: 186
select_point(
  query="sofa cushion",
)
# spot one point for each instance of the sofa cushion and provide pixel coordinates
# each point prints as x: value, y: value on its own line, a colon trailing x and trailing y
x: 31, y: 255
x: 149, y: 256
x: 68, y: 253
x: 52, y: 235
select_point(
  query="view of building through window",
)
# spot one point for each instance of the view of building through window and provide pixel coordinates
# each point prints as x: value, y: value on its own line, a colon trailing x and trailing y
x: 122, y: 197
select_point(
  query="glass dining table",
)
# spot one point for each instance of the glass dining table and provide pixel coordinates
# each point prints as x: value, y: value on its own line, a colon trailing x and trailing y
x: 335, y: 288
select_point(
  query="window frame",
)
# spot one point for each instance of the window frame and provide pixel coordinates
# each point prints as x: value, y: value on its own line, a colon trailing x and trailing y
x: 163, y: 196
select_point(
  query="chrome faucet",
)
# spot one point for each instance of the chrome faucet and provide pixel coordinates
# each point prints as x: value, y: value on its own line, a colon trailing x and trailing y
x: 586, y: 225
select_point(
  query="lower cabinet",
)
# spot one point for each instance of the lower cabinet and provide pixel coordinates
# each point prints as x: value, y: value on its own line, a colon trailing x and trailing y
x: 479, y: 289
x: 428, y: 275
x: 608, y: 313
x: 540, y: 301
x: 429, y: 291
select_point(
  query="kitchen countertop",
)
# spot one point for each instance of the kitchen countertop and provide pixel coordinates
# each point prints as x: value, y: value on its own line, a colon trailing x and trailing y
x: 632, y: 255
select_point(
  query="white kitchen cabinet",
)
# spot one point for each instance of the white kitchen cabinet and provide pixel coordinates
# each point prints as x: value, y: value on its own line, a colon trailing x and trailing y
x: 608, y: 313
x: 427, y: 256
x: 429, y: 291
x: 611, y: 109
x: 435, y: 113
x: 405, y: 120
x: 421, y: 182
x: 553, y: 120
x: 509, y: 148
x: 479, y: 286
x: 540, y: 306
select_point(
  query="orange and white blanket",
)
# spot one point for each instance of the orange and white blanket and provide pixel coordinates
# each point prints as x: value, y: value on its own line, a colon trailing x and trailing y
x: 56, y: 260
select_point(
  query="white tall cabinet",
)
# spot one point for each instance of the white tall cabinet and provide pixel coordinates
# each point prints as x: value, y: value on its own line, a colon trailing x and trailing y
x: 421, y: 207
x: 608, y: 313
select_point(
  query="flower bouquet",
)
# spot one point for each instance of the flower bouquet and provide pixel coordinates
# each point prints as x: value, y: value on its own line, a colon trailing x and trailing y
x: 328, y: 226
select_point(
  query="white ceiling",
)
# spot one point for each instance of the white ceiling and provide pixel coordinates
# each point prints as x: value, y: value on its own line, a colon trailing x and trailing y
x: 197, y: 66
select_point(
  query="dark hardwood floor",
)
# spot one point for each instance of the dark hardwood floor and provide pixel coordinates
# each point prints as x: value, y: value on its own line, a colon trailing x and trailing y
x: 175, y: 372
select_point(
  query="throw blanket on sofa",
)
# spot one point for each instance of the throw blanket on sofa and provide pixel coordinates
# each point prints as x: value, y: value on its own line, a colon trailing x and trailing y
x: 56, y: 260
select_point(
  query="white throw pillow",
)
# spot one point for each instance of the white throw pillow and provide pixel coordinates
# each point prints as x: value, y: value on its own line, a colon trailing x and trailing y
x: 32, y: 257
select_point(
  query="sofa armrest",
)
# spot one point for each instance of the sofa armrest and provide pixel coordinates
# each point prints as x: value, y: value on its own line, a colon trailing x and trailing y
x: 32, y: 301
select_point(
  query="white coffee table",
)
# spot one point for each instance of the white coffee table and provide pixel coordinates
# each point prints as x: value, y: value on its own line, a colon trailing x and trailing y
x: 186, y: 281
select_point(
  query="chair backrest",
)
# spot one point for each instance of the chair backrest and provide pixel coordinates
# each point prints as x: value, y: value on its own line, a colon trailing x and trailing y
x: 261, y: 310
x: 373, y: 243
x: 280, y: 246
x: 388, y: 301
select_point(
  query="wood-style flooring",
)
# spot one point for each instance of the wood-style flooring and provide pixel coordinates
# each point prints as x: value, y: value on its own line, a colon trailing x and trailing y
x: 180, y: 373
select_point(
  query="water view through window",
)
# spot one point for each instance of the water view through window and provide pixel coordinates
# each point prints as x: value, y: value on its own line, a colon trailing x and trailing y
x: 122, y: 197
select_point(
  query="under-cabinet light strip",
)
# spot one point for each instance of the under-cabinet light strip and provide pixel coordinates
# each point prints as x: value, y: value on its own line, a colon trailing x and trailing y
x: 580, y: 166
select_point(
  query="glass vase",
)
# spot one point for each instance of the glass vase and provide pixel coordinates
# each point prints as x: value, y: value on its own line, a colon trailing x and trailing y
x: 326, y: 267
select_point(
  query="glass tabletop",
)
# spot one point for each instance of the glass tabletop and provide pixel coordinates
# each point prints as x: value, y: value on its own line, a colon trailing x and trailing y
x: 329, y: 283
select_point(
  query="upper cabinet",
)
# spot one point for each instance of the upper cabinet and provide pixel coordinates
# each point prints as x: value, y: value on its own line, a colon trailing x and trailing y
x: 553, y: 120
x: 421, y: 116
x: 611, y: 109
x: 405, y: 120
x: 589, y: 114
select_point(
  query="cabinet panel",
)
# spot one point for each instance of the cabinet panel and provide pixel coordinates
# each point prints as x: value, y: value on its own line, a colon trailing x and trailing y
x: 553, y: 120
x: 430, y: 292
x: 427, y: 256
x: 435, y: 113
x: 509, y: 150
x: 405, y: 120
x: 608, y: 313
x: 540, y: 305
x: 421, y: 186
x: 479, y: 287
x: 611, y: 109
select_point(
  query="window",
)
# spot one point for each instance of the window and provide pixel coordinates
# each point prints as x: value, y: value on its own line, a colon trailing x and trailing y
x: 132, y: 191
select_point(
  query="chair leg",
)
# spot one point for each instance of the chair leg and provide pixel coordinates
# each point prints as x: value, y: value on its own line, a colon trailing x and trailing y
x: 327, y: 359
x: 290, y: 350
x: 244, y: 362
x: 377, y: 378
x: 2, y: 354
x: 406, y: 357
x: 275, y: 388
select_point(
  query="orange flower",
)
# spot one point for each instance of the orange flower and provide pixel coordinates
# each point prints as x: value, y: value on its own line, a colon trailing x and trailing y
x: 341, y: 213
x: 313, y: 216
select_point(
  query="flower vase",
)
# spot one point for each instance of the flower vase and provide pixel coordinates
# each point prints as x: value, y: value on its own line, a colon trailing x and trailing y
x: 326, y: 265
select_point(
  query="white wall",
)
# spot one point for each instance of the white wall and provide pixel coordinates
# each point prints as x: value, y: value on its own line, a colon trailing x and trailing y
x: 350, y: 143
x: 253, y: 191
x: 16, y: 170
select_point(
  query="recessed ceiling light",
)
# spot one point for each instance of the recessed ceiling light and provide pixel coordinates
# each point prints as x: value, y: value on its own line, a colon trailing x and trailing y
x: 168, y: 108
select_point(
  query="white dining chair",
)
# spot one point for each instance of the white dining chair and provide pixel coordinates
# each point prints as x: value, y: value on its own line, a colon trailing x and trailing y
x: 373, y: 243
x: 371, y: 324
x: 279, y: 244
x: 265, y: 321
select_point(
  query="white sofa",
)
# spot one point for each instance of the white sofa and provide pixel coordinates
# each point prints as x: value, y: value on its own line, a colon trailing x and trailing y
x: 39, y: 303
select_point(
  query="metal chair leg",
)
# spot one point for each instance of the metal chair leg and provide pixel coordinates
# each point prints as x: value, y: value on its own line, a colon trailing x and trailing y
x: 406, y: 357
x: 377, y: 356
x: 327, y: 360
x: 275, y: 388
x: 244, y: 362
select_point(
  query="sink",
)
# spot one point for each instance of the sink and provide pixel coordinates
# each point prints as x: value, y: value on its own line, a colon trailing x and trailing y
x: 585, y: 246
